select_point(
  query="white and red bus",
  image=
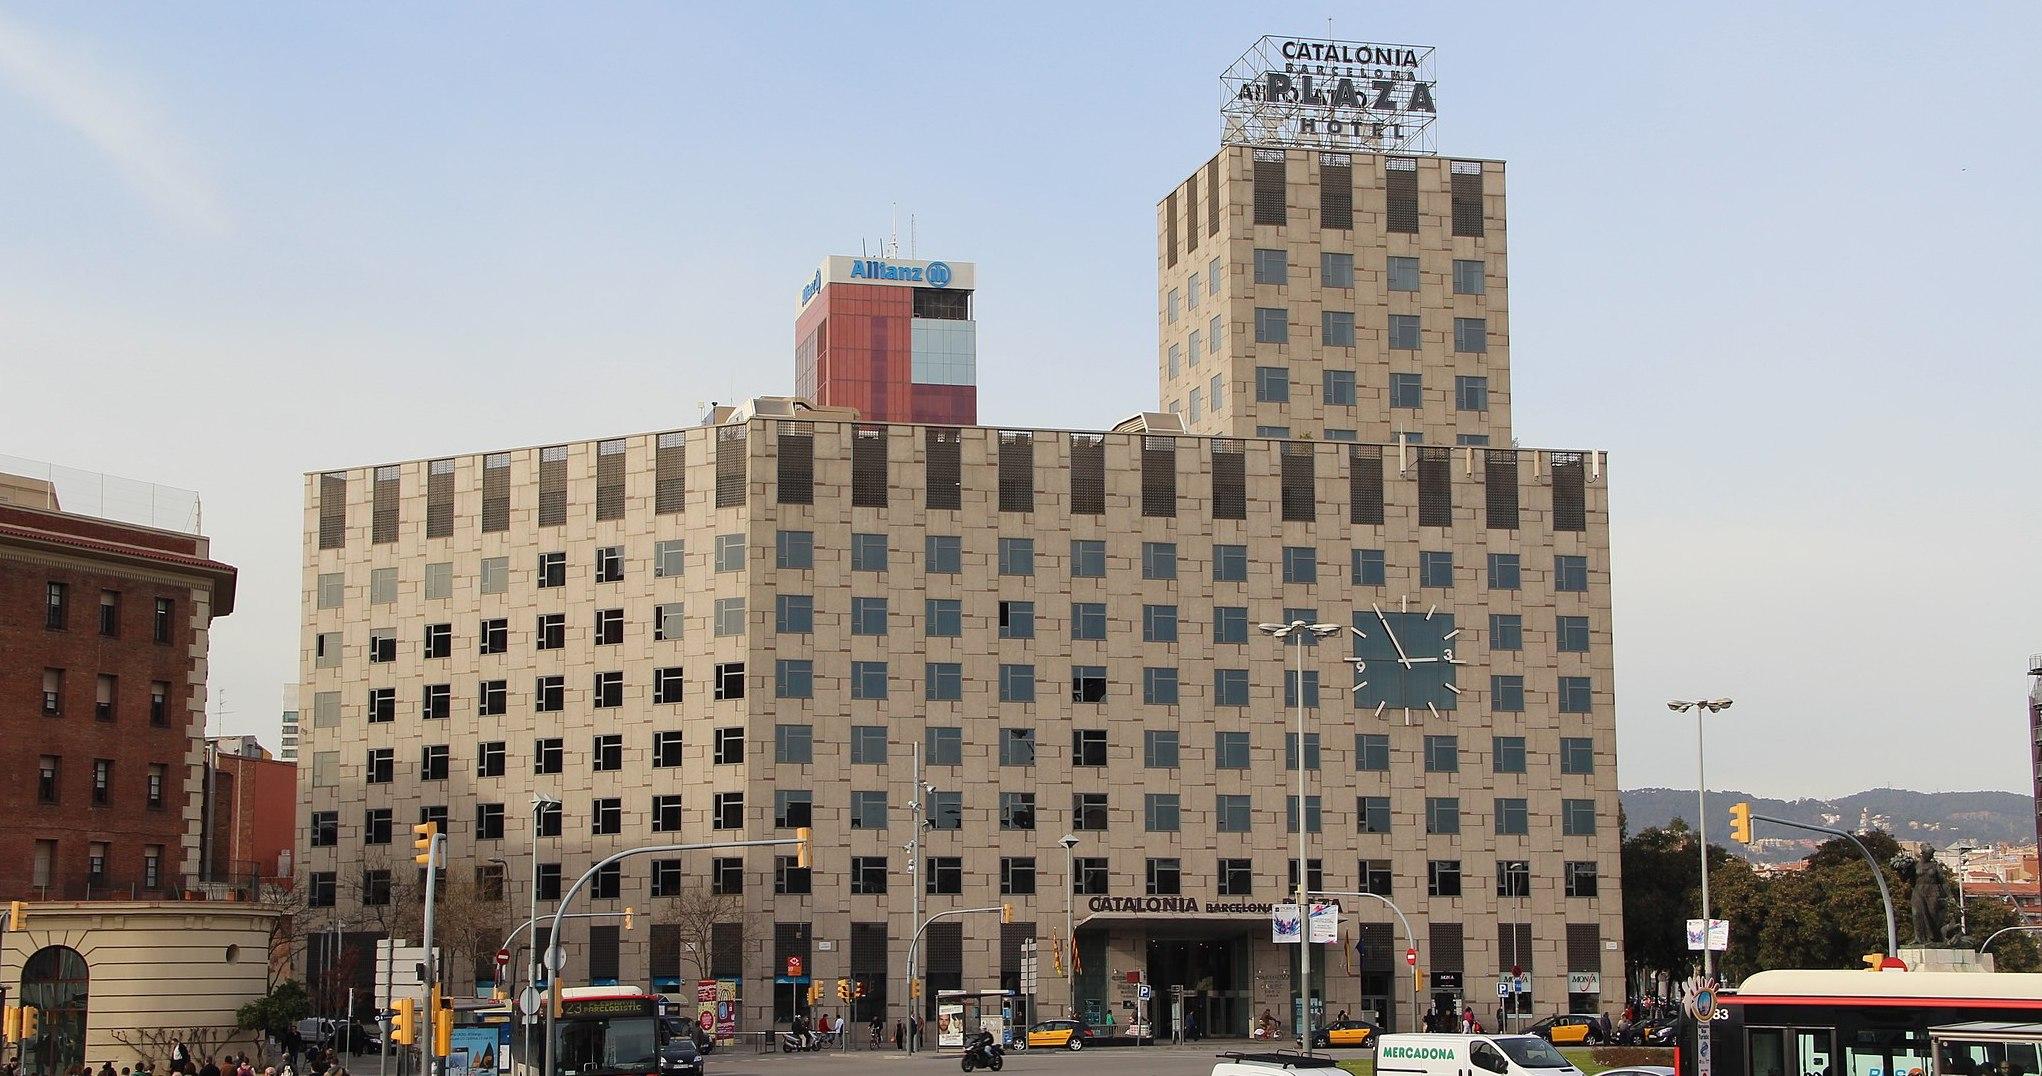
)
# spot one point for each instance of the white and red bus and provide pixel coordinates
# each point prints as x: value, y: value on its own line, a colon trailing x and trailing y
x: 602, y: 1031
x: 1866, y: 1023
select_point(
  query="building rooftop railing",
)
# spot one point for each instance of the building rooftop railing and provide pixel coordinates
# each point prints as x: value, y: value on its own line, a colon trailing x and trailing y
x: 111, y: 497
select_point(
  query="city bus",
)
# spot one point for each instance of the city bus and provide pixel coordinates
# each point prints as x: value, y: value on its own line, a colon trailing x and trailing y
x: 601, y: 1031
x: 1866, y: 1023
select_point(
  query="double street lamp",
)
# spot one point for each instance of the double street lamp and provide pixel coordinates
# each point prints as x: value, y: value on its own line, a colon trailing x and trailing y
x: 1700, y: 707
x: 1069, y: 841
x: 1302, y: 633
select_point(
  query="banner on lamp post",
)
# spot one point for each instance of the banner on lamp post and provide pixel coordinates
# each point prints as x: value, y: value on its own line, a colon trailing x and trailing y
x: 1284, y: 925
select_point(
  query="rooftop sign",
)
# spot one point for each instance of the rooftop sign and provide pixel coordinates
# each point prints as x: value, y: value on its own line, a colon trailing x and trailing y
x: 898, y: 272
x: 1331, y: 95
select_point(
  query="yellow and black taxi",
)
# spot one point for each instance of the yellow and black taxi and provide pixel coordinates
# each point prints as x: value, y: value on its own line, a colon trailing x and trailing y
x: 1065, y: 1034
x: 1570, y: 1029
x: 1356, y: 1033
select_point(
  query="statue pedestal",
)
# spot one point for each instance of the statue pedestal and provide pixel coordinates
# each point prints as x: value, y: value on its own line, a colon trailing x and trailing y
x: 1945, y: 959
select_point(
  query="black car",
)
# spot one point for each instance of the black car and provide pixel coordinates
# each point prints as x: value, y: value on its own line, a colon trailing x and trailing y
x: 679, y: 1057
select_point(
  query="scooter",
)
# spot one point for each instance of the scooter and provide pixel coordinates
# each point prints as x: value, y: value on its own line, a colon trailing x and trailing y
x: 983, y: 1053
x: 806, y: 1041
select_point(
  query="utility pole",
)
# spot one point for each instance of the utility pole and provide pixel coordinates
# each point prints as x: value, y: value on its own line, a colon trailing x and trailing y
x: 434, y: 844
x: 918, y: 818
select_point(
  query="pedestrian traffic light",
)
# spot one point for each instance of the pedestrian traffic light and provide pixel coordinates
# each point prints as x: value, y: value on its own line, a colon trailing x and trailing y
x: 1006, y: 913
x: 804, y: 848
x: 1740, y: 822
x: 443, y: 1023
x: 17, y: 915
x: 31, y: 1022
x: 428, y: 832
x: 405, y: 1028
x: 627, y: 918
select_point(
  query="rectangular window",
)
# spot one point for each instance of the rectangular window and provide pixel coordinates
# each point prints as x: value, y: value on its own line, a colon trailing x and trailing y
x: 1093, y: 878
x: 609, y: 627
x: 1513, y: 878
x: 868, y: 680
x: 868, y: 552
x: 1088, y: 620
x: 489, y: 759
x: 1576, y: 696
x: 1436, y: 569
x: 1407, y: 390
x: 1233, y: 814
x: 1290, y: 750
x: 1159, y: 685
x: 1176, y: 363
x: 1230, y: 751
x: 1272, y: 266
x: 1442, y: 754
x: 726, y: 873
x: 730, y: 616
x: 1443, y: 878
x: 552, y: 569
x: 943, y: 745
x: 868, y: 616
x: 1404, y: 335
x: 1403, y: 273
x: 1017, y: 810
x: 548, y: 756
x: 1372, y: 752
x: 1017, y: 556
x: 550, y: 632
x: 382, y: 706
x: 1570, y: 574
x: 1165, y: 877
x: 437, y: 703
x: 609, y: 689
x: 609, y: 564
x: 728, y: 747
x: 1016, y: 470
x: 1088, y: 811
x: 1442, y: 814
x: 793, y: 808
x: 1336, y: 270
x: 946, y: 875
x: 868, y: 810
x: 1339, y: 384
x: 1377, y: 877
x: 494, y: 576
x: 943, y: 681
x: 1269, y: 193
x: 1471, y: 393
x: 794, y: 745
x: 332, y: 512
x: 1468, y: 277
x: 1236, y: 877
x: 666, y: 748
x: 868, y: 745
x: 1368, y: 568
x: 1577, y: 754
x: 1017, y: 876
x: 1300, y: 564
x: 668, y: 684
x: 794, y: 614
x: 1230, y: 687
x: 1372, y: 814
x: 727, y: 811
x: 1017, y: 747
x: 1582, y: 878
x: 1570, y: 634
x: 1159, y: 749
x: 1506, y: 754
x: 1504, y: 571
x: 1577, y: 818
x: 381, y: 767
x: 1471, y: 336
x: 868, y: 875
x: 1088, y: 559
x: 794, y: 678
x: 1088, y: 683
x: 1272, y: 325
x: 1506, y: 631
x: 1506, y: 694
x: 943, y: 554
x: 1088, y: 747
x: 943, y: 618
x: 1017, y: 683
x: 1230, y: 624
x: 1213, y: 335
x: 1173, y: 302
x: 1513, y: 816
x: 730, y: 552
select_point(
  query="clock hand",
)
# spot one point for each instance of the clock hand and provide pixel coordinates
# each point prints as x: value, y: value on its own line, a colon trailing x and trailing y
x: 1402, y: 658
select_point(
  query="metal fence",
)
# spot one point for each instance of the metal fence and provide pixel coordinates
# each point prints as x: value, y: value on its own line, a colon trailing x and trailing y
x: 125, y: 500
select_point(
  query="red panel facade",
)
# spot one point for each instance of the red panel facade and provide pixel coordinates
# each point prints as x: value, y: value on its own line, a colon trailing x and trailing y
x: 854, y: 347
x: 255, y: 810
x: 946, y: 405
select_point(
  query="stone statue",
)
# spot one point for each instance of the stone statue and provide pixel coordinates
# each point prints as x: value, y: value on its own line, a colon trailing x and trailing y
x: 1934, y: 925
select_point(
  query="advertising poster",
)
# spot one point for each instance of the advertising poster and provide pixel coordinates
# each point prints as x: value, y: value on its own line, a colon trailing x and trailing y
x: 950, y: 1025
x: 475, y: 1053
x: 705, y: 1006
x: 1284, y: 927
x: 726, y: 1010
x: 1325, y: 923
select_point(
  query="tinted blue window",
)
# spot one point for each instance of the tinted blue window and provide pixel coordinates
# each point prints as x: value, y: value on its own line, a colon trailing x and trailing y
x: 1504, y: 571
x: 1368, y: 567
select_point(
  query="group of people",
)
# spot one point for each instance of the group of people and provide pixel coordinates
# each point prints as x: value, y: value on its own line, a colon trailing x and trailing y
x: 182, y: 1063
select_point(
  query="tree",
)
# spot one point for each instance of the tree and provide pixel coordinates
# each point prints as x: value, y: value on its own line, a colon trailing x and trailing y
x: 2012, y: 952
x: 275, y: 1013
x: 1662, y: 891
x: 695, y: 911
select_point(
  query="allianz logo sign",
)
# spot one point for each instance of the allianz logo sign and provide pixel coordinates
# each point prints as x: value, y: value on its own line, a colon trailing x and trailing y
x: 1419, y: 1053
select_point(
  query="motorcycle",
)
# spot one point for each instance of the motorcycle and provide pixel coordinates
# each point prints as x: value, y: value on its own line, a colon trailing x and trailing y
x: 983, y: 1053
x: 804, y: 1041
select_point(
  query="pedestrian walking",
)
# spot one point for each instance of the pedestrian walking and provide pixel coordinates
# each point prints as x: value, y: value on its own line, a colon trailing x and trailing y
x: 899, y: 1034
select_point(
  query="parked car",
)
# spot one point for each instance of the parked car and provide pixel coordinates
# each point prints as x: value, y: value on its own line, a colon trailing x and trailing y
x: 1358, y: 1033
x: 1068, y: 1034
x: 680, y: 1057
x: 1275, y: 1064
x: 1569, y: 1029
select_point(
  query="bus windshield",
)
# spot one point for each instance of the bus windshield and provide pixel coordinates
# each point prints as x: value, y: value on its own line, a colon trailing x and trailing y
x: 608, y: 1044
x: 1532, y: 1053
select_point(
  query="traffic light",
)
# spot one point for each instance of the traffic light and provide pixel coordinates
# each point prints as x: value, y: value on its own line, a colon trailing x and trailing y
x: 443, y: 1024
x: 1740, y: 822
x: 31, y: 1022
x: 914, y: 988
x: 1874, y: 961
x: 428, y: 832
x: 12, y: 1024
x: 17, y: 915
x: 858, y: 991
x: 804, y: 849
x: 843, y: 989
x: 1006, y: 913
x: 627, y: 918
x: 405, y: 1028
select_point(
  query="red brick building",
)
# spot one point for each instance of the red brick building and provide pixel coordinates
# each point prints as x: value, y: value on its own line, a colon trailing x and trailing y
x: 252, y: 822
x: 103, y: 633
x: 893, y: 339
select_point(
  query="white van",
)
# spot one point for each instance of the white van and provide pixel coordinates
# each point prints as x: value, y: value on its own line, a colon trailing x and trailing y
x: 1469, y: 1055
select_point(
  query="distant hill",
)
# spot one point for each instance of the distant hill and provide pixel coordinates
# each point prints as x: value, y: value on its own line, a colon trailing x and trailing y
x: 1940, y: 818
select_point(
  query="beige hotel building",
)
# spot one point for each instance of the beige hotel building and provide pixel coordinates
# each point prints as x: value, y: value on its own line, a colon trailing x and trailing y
x: 732, y: 629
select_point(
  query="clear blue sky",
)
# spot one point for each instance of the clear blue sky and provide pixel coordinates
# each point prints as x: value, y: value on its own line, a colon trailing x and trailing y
x: 1778, y: 260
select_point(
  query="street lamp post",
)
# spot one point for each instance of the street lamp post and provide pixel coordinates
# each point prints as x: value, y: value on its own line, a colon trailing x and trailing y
x: 1700, y: 707
x: 1300, y: 632
x: 541, y: 803
x: 1069, y: 841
